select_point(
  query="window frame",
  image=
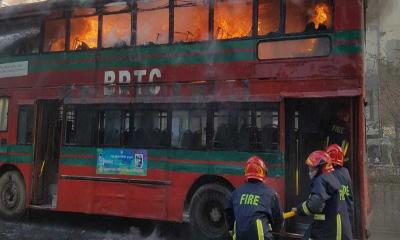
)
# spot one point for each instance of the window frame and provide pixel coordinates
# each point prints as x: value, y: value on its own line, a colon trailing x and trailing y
x: 293, y: 38
x: 8, y: 113
x: 132, y: 10
x: 21, y: 107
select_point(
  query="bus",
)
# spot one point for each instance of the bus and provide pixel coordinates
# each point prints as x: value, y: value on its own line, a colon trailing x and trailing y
x: 150, y: 109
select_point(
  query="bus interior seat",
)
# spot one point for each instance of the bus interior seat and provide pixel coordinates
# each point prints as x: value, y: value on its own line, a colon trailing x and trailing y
x: 186, y: 139
x: 226, y: 136
x: 196, y: 139
x: 140, y: 137
x: 269, y: 136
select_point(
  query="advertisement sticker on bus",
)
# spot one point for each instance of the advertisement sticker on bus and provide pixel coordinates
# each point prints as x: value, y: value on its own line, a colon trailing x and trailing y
x: 121, y: 161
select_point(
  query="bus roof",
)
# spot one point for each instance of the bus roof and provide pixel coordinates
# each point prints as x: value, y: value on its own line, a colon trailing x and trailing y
x: 44, y: 7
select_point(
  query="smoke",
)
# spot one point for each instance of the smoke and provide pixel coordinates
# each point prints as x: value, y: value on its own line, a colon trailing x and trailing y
x: 9, y: 39
x: 379, y: 8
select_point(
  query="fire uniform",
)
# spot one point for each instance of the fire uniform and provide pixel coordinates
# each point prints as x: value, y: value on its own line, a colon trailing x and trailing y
x: 253, y: 210
x: 342, y: 175
x: 345, y: 192
x: 331, y: 220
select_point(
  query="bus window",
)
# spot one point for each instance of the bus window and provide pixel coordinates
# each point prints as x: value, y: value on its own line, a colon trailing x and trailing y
x: 195, y: 27
x: 3, y: 113
x: 233, y: 18
x: 308, y: 15
x: 25, y: 125
x: 188, y: 129
x: 268, y: 16
x: 54, y: 36
x: 152, y: 22
x: 267, y: 123
x: 110, y: 127
x: 146, y: 129
x: 294, y: 48
x: 81, y: 127
x: 116, y: 30
x: 84, y: 32
x: 231, y: 129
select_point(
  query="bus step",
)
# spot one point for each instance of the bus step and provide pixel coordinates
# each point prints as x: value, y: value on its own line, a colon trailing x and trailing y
x: 43, y: 207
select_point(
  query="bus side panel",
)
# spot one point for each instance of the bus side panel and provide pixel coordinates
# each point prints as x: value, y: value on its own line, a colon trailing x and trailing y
x: 92, y: 195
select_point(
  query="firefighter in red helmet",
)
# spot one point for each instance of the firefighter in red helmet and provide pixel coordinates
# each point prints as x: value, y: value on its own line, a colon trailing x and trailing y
x: 342, y: 174
x: 329, y: 213
x: 253, y: 210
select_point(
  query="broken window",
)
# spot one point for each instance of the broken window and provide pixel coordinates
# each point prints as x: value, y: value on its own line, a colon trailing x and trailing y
x: 308, y: 15
x: 84, y: 30
x: 54, y: 37
x: 191, y: 19
x: 152, y: 22
x: 232, y: 18
x: 268, y: 16
x: 116, y: 30
x: 188, y: 129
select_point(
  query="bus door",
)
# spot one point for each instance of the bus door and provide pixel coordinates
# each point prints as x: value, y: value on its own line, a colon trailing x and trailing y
x: 47, y: 134
x: 306, y: 124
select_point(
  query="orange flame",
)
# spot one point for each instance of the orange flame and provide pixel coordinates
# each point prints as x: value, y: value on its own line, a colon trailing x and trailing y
x: 232, y: 19
x: 84, y: 33
x: 321, y: 15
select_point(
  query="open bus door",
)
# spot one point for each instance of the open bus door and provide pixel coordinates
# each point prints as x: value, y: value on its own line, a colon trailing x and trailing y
x: 305, y: 123
x: 47, y: 134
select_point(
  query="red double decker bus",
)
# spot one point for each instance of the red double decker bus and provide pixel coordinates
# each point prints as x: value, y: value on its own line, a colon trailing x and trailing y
x: 149, y: 109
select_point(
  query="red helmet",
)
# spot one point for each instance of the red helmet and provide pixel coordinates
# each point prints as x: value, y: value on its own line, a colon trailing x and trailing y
x: 255, y: 169
x: 336, y: 153
x: 320, y: 159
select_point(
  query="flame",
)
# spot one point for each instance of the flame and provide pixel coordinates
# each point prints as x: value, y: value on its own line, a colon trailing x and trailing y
x: 84, y: 33
x: 232, y: 19
x: 55, y: 36
x: 116, y: 29
x: 194, y: 28
x: 321, y: 15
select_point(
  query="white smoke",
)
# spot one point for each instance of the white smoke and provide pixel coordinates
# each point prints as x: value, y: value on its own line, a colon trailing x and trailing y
x: 7, y: 40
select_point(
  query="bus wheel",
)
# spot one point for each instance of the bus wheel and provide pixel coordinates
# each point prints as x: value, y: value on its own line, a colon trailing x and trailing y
x: 207, y: 212
x: 12, y: 195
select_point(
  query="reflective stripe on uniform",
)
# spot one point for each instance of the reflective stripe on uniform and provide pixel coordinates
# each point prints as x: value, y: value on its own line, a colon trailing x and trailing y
x: 305, y: 208
x: 260, y: 229
x: 338, y: 227
x: 319, y: 217
x: 234, y: 231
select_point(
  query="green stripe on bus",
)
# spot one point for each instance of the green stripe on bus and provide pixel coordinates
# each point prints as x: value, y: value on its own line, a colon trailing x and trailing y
x: 215, y: 155
x: 20, y: 148
x: 15, y: 159
x: 269, y: 157
x: 347, y: 35
x: 346, y: 49
x: 78, y: 150
x: 181, y: 60
x: 179, y: 167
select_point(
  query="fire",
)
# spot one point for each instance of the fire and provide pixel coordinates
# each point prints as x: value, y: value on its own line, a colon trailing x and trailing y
x: 84, y: 33
x: 321, y: 15
x: 116, y: 30
x: 232, y: 19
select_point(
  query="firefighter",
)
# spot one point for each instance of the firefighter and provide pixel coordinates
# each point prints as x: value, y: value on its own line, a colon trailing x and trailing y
x: 336, y: 154
x: 338, y: 129
x: 253, y: 210
x: 323, y: 203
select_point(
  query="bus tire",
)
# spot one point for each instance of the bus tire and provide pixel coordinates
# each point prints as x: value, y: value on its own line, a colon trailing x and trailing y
x: 206, y: 211
x: 12, y: 195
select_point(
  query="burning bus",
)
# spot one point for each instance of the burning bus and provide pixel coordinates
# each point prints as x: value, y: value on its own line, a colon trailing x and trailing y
x: 149, y: 109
